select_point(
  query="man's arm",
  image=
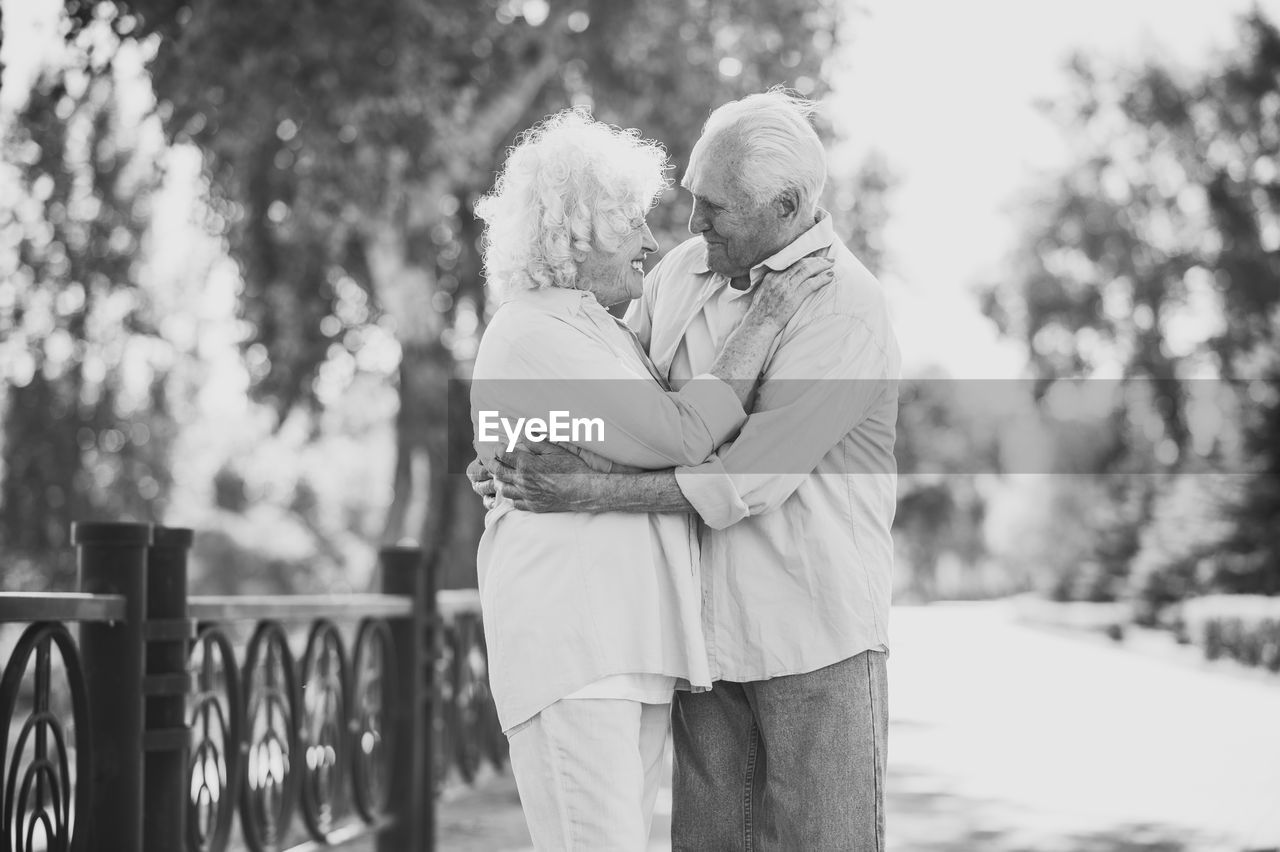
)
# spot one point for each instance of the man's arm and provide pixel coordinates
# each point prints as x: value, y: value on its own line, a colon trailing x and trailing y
x: 651, y: 491
x: 826, y: 378
x: 824, y: 381
x: 548, y: 478
x: 831, y: 375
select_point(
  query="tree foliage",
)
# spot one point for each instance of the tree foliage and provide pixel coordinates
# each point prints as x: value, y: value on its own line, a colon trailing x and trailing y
x: 349, y: 139
x: 1155, y: 255
x: 85, y: 418
x: 344, y: 143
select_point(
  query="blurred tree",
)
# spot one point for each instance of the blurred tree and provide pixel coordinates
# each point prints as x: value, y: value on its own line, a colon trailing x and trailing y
x: 1156, y: 255
x: 83, y: 412
x: 945, y: 431
x: 1073, y: 536
x: 946, y: 441
x: 860, y: 206
x: 1190, y: 525
x: 346, y: 142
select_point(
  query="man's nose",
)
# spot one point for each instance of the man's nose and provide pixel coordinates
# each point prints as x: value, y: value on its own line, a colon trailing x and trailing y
x: 698, y: 221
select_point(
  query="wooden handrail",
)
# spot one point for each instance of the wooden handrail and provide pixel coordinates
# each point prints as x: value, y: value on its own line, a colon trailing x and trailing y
x: 451, y: 603
x: 75, y: 606
x: 60, y: 606
x: 297, y: 607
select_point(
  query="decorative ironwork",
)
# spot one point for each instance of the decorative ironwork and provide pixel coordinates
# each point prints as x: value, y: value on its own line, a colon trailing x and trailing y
x: 468, y: 673
x: 323, y: 732
x: 268, y: 793
x: 487, y: 730
x: 323, y: 737
x: 217, y: 724
x: 373, y: 694
x: 444, y: 722
x: 467, y: 726
x: 38, y: 808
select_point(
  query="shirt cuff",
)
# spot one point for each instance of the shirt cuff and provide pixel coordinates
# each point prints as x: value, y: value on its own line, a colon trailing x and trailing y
x: 717, y: 404
x: 710, y: 491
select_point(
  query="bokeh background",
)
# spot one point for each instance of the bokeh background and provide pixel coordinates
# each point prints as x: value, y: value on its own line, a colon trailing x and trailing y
x: 239, y: 276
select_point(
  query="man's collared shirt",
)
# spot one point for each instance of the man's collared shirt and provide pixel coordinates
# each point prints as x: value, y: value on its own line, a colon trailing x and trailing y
x: 796, y: 549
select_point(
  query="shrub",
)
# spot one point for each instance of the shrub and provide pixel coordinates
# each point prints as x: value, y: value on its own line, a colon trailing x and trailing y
x: 1189, y: 527
x: 1239, y: 627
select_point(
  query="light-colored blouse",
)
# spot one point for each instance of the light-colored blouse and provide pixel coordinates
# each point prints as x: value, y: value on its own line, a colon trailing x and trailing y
x: 570, y: 598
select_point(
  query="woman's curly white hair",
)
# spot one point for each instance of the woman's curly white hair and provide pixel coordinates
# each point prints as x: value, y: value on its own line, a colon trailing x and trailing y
x: 569, y: 181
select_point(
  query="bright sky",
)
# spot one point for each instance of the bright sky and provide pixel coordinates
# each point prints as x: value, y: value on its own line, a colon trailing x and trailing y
x: 29, y: 33
x: 946, y: 91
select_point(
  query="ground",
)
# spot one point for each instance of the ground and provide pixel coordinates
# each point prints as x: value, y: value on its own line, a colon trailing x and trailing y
x: 1007, y: 737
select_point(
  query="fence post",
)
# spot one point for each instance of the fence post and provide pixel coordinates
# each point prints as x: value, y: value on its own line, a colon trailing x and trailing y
x: 112, y: 559
x: 168, y: 632
x: 412, y: 801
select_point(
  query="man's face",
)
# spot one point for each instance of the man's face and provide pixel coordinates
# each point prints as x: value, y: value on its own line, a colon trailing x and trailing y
x: 738, y: 231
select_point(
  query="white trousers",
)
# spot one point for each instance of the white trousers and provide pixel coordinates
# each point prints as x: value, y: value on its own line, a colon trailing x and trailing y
x: 588, y: 772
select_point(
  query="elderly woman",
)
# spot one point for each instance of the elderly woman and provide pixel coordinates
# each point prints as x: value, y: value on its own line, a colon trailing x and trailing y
x: 592, y: 620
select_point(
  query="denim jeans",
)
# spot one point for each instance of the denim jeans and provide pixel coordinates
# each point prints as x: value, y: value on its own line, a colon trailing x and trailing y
x: 793, y: 764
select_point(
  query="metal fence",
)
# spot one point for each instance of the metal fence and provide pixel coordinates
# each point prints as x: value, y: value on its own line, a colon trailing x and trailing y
x: 137, y: 717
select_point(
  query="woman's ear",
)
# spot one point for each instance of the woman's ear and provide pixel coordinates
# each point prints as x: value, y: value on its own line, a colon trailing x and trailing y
x: 578, y: 250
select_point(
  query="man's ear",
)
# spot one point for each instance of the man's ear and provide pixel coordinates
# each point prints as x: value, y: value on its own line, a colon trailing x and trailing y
x: 787, y: 203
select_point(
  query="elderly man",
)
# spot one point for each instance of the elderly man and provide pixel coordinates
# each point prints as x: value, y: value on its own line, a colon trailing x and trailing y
x: 787, y: 751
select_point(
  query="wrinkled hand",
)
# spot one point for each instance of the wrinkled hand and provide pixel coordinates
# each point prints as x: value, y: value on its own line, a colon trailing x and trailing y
x: 542, y: 477
x: 780, y: 293
x: 482, y: 482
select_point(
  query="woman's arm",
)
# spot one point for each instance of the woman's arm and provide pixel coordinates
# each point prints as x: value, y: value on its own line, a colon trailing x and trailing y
x: 549, y: 367
x: 776, y: 299
x: 601, y: 407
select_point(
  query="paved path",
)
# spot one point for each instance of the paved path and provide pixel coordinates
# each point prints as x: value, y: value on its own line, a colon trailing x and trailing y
x: 1007, y: 737
x: 1010, y: 738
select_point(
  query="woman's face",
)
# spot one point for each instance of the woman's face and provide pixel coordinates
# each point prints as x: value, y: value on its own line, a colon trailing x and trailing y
x: 618, y: 276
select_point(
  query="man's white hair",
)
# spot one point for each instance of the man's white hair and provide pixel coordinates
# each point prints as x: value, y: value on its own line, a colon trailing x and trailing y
x: 779, y: 146
x: 568, y: 183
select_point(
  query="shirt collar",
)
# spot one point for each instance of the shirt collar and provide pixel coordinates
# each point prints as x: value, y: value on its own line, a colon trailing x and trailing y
x: 560, y: 297
x: 819, y: 236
